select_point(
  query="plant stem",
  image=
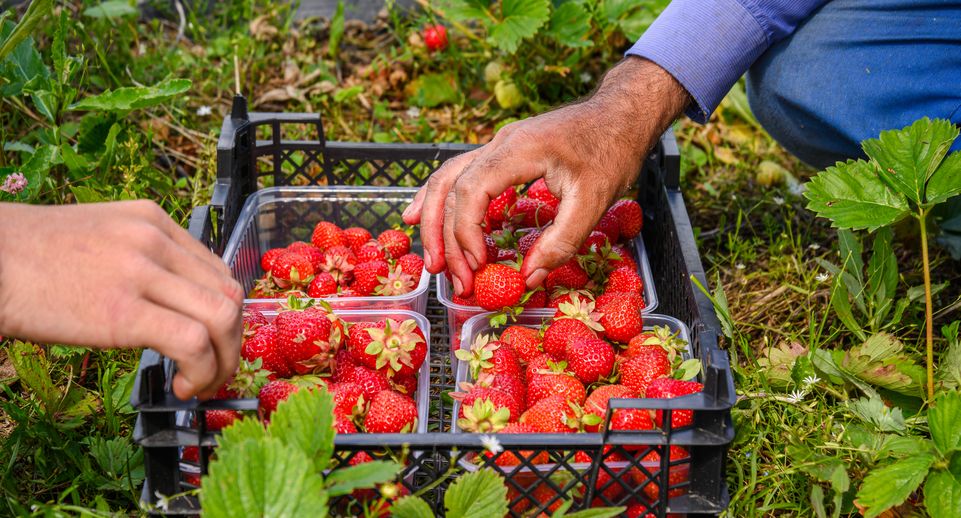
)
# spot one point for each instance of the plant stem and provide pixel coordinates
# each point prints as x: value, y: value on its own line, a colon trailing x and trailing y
x: 928, y: 313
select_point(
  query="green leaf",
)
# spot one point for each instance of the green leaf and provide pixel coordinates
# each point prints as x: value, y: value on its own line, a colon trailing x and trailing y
x: 944, y: 419
x: 597, y: 512
x: 58, y: 49
x: 882, y: 269
x: 942, y: 495
x: 411, y: 507
x: 778, y: 363
x: 891, y: 485
x: 852, y: 262
x: 824, y: 468
x: 902, y: 446
x: 945, y: 183
x: 240, y: 431
x: 111, y: 9
x: 23, y: 64
x: 305, y: 421
x: 842, y: 305
x: 874, y: 412
x: 570, y: 25
x: 481, y: 494
x: 852, y: 196
x: 430, y: 90
x: 520, y: 20
x: 33, y: 369
x: 637, y: 21
x: 134, y: 97
x: 465, y: 10
x: 36, y: 12
x: 364, y: 475
x: 348, y: 94
x: 906, y: 158
x: 880, y: 361
x: 949, y: 364
x: 262, y: 478
x: 118, y: 460
x: 336, y: 31
x: 75, y: 163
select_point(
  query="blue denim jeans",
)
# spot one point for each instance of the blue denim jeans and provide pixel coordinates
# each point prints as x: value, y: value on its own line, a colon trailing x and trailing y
x: 856, y: 68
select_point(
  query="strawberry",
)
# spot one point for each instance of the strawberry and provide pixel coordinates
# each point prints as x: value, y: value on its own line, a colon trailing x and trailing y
x: 291, y: 269
x: 499, y: 207
x: 510, y: 385
x: 631, y: 419
x: 594, y: 242
x: 565, y: 296
x: 404, y: 384
x: 609, y: 226
x: 399, y: 348
x: 343, y: 364
x: 597, y: 401
x: 624, y: 280
x: 267, y: 260
x: 525, y: 243
x: 528, y: 212
x: 412, y: 265
x: 621, y: 317
x: 504, y: 360
x: 539, y: 191
x: 509, y: 458
x: 661, y: 338
x: 252, y: 320
x: 638, y: 372
x: 490, y: 246
x: 550, y: 415
x: 343, y: 423
x: 272, y: 394
x: 624, y: 258
x: 555, y: 381
x: 678, y: 474
x: 327, y: 235
x: 497, y: 286
x: 263, y: 345
x: 561, y: 332
x: 355, y: 237
x: 547, y: 499
x: 568, y: 275
x: 646, y: 511
x: 391, y: 412
x: 525, y: 341
x: 308, y: 340
x: 540, y: 362
x: 590, y: 359
x: 397, y: 282
x: 629, y: 217
x: 497, y: 398
x: 367, y: 277
x: 348, y: 398
x: 357, y: 341
x: 339, y: 261
x: 395, y: 242
x: 219, y: 419
x: 435, y: 37
x: 464, y: 301
x: 311, y: 252
x: 537, y: 300
x: 370, y: 251
x: 485, y: 415
x: 671, y: 388
x: 323, y: 285
x: 370, y: 380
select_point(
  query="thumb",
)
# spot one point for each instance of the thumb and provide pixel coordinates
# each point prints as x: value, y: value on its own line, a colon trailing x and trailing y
x: 576, y: 218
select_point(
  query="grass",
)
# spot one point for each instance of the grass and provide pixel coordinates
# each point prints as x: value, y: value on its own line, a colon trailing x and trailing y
x: 760, y: 245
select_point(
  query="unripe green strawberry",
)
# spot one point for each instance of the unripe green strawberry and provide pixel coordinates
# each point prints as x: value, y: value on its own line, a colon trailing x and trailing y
x: 493, y: 72
x: 507, y: 94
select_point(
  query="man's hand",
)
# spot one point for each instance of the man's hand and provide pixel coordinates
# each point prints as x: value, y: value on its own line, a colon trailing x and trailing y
x: 120, y: 275
x: 589, y: 153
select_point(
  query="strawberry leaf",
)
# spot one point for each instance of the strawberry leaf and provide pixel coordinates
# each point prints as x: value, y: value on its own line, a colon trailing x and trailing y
x: 365, y: 475
x: 481, y: 494
x: 944, y: 419
x: 520, y: 19
x: 852, y: 196
x: 945, y: 183
x: 597, y: 512
x: 570, y: 25
x: 887, y: 487
x: 688, y: 369
x: 305, y: 423
x: 411, y: 507
x: 942, y: 494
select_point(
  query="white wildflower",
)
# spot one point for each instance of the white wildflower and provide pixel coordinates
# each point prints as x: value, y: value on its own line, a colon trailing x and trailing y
x: 811, y: 380
x: 822, y: 277
x: 586, y: 77
x: 796, y: 397
x: 204, y: 111
x: 163, y: 502
x: 740, y: 266
x: 413, y: 112
x: 814, y: 246
x: 142, y: 48
x: 491, y: 444
x: 778, y: 200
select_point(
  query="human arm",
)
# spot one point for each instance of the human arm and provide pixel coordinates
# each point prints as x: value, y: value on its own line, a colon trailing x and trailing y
x: 119, y: 275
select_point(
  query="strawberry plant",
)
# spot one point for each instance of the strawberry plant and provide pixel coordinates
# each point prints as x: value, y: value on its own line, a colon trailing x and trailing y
x: 907, y: 174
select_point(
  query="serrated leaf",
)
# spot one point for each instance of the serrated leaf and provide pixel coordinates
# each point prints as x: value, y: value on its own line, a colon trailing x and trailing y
x: 305, y: 421
x: 520, y: 19
x: 778, y: 363
x: 840, y: 301
x: 134, y: 97
x: 262, y: 478
x: 882, y: 268
x: 949, y: 364
x: 874, y: 412
x: 361, y: 476
x: 902, y: 446
x: 851, y: 251
x: 597, y: 512
x: 111, y: 9
x: 570, y: 25
x: 942, y: 495
x: 481, y: 494
x: 240, y: 431
x: 411, y: 507
x: 945, y: 183
x: 852, y: 196
x: 891, y: 485
x: 906, y: 158
x: 118, y: 460
x: 880, y: 361
x: 944, y: 419
x: 465, y: 10
x: 824, y: 468
x: 430, y: 90
x: 33, y: 369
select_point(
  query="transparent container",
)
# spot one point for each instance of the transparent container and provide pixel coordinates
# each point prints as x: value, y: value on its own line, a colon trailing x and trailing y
x: 458, y: 314
x: 278, y: 216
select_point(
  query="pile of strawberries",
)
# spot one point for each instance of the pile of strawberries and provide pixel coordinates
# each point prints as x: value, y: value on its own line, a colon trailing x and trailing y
x: 341, y: 263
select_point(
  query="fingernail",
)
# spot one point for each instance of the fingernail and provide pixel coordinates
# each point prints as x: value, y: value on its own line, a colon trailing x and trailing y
x: 470, y: 260
x: 458, y: 287
x: 407, y: 211
x: 427, y: 261
x: 536, y: 277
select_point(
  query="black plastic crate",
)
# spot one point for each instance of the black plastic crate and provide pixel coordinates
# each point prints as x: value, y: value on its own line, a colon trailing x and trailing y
x: 266, y: 149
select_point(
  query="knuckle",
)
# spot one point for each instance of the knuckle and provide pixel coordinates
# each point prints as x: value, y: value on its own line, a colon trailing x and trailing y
x: 195, y: 339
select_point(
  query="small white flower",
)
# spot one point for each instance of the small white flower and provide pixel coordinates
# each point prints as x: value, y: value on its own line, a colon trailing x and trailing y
x: 814, y: 246
x: 811, y: 380
x: 796, y: 397
x: 142, y: 48
x: 740, y: 266
x: 822, y: 277
x: 204, y: 111
x: 734, y: 197
x: 163, y: 502
x: 413, y: 112
x: 586, y: 77
x: 491, y: 444
x: 778, y: 200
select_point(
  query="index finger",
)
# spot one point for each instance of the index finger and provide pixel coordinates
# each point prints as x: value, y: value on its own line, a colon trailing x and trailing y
x: 432, y: 209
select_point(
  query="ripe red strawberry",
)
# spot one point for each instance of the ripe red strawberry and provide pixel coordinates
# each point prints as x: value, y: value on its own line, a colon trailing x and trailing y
x: 609, y: 226
x: 525, y: 243
x: 509, y: 458
x: 637, y: 510
x: 629, y: 217
x: 339, y: 261
x: 594, y: 242
x: 624, y: 280
x: 638, y: 372
x: 464, y: 301
x: 528, y: 212
x: 357, y: 341
x: 568, y: 275
x: 396, y: 282
x: 412, y: 265
x: 370, y: 251
x: 561, y: 332
x: 291, y: 269
x: 219, y: 419
x: 435, y: 37
x: 525, y: 341
x: 597, y: 401
x: 263, y: 344
x: 624, y: 258
x: 540, y: 362
x: 323, y: 285
x: 631, y: 419
x: 367, y: 277
x: 621, y: 317
x: 671, y: 388
x: 267, y: 260
x: 343, y: 365
x: 499, y: 207
x: 590, y: 359
x: 550, y: 415
x: 308, y: 340
x: 370, y: 380
x: 510, y: 385
x: 395, y: 242
x: 555, y: 381
x: 253, y: 319
x: 497, y: 286
x: 404, y: 384
x: 480, y: 409
x: 272, y: 394
x: 678, y: 473
x: 356, y: 237
x: 343, y: 423
x: 498, y: 398
x: 490, y: 246
x: 565, y: 296
x: 348, y: 398
x: 327, y: 235
x: 398, y: 348
x: 539, y: 191
x: 537, y: 300
x: 391, y: 412
x: 311, y: 252
x: 504, y: 360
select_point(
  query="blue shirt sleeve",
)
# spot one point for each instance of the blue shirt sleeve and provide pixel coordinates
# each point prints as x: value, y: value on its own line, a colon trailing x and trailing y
x: 708, y: 44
